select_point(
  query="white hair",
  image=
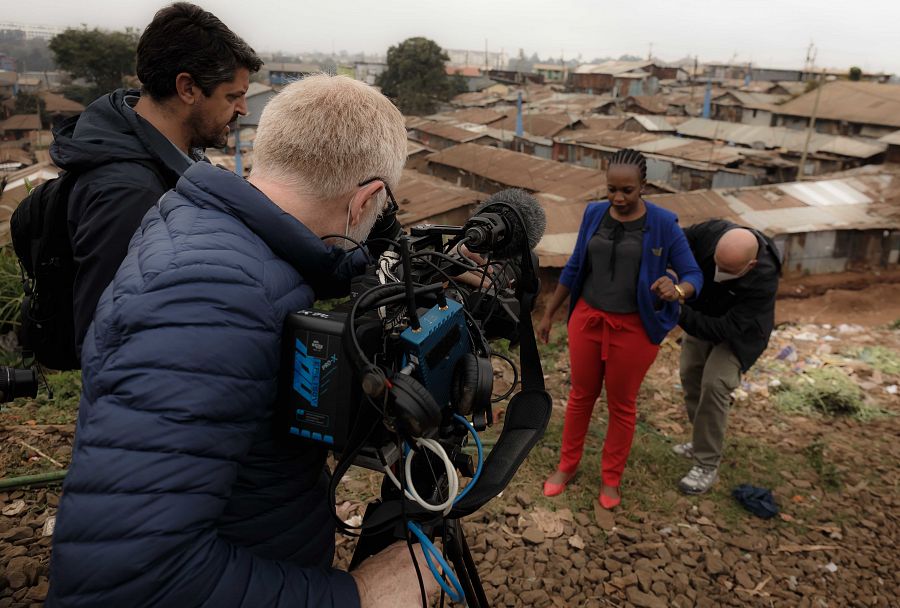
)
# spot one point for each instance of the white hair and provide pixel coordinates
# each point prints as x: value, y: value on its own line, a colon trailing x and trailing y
x: 324, y: 135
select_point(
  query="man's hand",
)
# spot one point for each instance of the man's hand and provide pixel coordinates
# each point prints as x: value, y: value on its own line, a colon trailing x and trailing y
x: 388, y: 579
x: 664, y: 288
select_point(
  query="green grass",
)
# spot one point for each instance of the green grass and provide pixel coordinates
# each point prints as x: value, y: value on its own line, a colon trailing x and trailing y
x: 826, y: 391
x: 819, y: 460
x: 11, y: 293
x: 883, y: 359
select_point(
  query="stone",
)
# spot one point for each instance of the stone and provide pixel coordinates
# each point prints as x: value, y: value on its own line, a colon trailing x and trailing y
x: 628, y: 534
x: 645, y: 579
x: 537, y: 596
x: 743, y: 579
x: 714, y: 564
x: 16, y: 579
x: 524, y: 500
x: 644, y: 600
x: 39, y: 592
x: 534, y: 535
x: 16, y: 534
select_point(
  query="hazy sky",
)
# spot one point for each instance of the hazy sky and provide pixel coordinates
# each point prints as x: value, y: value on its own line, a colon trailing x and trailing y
x: 766, y: 32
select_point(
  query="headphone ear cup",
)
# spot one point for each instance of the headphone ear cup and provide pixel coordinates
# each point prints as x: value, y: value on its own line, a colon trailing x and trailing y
x: 465, y: 376
x: 416, y: 412
x: 484, y: 388
x: 473, y: 383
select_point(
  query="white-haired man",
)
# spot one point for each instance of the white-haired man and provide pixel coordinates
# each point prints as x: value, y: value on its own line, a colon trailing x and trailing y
x: 178, y: 493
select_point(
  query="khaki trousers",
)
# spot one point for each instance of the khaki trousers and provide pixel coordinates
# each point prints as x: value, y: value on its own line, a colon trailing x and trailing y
x: 709, y: 372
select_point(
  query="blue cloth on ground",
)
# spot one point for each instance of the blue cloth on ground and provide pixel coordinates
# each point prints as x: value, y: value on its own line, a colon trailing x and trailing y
x: 758, y: 501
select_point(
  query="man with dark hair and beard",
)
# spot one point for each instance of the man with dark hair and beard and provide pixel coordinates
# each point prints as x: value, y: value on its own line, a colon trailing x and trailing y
x: 129, y: 147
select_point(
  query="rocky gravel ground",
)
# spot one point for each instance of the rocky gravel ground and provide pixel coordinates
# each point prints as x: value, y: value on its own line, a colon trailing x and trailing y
x: 835, y: 478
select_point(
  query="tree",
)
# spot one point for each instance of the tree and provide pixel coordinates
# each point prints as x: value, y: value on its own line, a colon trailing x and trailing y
x: 415, y: 78
x: 100, y: 57
x: 855, y: 74
x: 28, y: 103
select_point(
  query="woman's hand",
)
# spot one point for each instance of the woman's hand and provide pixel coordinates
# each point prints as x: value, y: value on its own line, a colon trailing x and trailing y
x: 543, y: 329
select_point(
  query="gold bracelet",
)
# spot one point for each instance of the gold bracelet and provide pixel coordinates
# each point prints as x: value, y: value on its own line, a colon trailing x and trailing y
x: 681, y: 295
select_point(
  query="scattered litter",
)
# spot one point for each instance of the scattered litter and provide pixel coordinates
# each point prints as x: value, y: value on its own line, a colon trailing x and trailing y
x: 355, y: 521
x: 795, y: 548
x: 891, y: 390
x: 548, y: 522
x: 788, y: 353
x: 49, y: 526
x: 806, y: 336
x: 831, y: 567
x: 576, y: 542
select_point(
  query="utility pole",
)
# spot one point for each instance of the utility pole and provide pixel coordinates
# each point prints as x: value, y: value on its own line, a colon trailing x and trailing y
x: 650, y: 53
x: 809, y: 130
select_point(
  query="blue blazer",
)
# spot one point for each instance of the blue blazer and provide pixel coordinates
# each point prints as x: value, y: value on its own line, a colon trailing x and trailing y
x: 665, y: 246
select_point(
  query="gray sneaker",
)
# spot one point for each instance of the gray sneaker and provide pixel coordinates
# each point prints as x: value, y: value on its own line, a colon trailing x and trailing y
x: 698, y: 480
x: 685, y: 450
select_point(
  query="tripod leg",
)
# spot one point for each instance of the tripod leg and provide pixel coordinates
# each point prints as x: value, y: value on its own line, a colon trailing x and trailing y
x: 464, y: 565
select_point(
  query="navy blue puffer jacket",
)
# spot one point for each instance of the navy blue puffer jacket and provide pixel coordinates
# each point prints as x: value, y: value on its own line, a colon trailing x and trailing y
x: 178, y: 494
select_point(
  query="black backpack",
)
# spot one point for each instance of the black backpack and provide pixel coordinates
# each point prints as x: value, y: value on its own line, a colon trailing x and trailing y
x: 40, y: 235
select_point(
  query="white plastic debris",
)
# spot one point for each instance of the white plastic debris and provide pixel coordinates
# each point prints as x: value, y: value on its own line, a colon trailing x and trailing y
x: 891, y: 390
x: 49, y: 526
x: 831, y: 567
x: 806, y: 336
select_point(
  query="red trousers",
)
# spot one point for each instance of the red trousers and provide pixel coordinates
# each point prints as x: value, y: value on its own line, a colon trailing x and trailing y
x: 615, y: 347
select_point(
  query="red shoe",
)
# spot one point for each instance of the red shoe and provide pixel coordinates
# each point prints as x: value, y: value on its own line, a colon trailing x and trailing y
x: 555, y: 489
x: 608, y: 502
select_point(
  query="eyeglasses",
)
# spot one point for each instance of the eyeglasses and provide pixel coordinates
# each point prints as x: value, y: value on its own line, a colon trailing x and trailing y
x: 391, y: 206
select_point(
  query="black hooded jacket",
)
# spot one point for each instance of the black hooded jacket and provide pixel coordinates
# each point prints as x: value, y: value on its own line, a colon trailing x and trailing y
x: 740, y: 312
x: 124, y: 165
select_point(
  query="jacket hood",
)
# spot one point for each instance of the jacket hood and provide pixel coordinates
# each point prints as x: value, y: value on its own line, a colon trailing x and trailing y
x: 107, y: 131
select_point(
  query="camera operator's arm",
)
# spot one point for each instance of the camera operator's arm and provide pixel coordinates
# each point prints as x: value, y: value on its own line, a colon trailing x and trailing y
x: 175, y: 458
x: 560, y: 294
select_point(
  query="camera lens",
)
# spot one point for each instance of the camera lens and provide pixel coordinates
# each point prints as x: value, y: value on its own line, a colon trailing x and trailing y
x: 15, y: 383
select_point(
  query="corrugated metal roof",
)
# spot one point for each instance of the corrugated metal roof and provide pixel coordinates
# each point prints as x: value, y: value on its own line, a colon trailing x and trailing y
x: 257, y: 88
x: 614, y: 68
x: 826, y: 193
x: 752, y: 100
x: 21, y: 122
x: 478, y: 116
x: 542, y: 125
x: 415, y: 147
x: 447, y: 131
x: 893, y: 139
x: 524, y: 171
x: 422, y: 196
x: 791, y: 140
x: 653, y: 123
x: 860, y: 102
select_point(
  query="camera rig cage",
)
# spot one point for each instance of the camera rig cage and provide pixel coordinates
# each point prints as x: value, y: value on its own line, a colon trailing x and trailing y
x: 399, y: 378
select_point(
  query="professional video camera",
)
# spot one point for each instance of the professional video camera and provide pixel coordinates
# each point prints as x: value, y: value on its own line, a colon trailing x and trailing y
x: 399, y: 378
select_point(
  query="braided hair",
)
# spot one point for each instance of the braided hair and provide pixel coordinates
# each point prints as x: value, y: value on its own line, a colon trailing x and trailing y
x: 627, y: 156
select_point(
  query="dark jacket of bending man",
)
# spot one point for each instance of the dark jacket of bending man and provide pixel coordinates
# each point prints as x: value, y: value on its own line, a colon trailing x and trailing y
x: 726, y: 329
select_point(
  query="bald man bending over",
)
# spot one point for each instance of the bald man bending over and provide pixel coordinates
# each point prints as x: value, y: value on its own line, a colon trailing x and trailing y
x: 727, y: 328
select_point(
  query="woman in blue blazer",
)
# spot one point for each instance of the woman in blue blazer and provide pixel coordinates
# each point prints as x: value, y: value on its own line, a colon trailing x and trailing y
x: 622, y: 303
